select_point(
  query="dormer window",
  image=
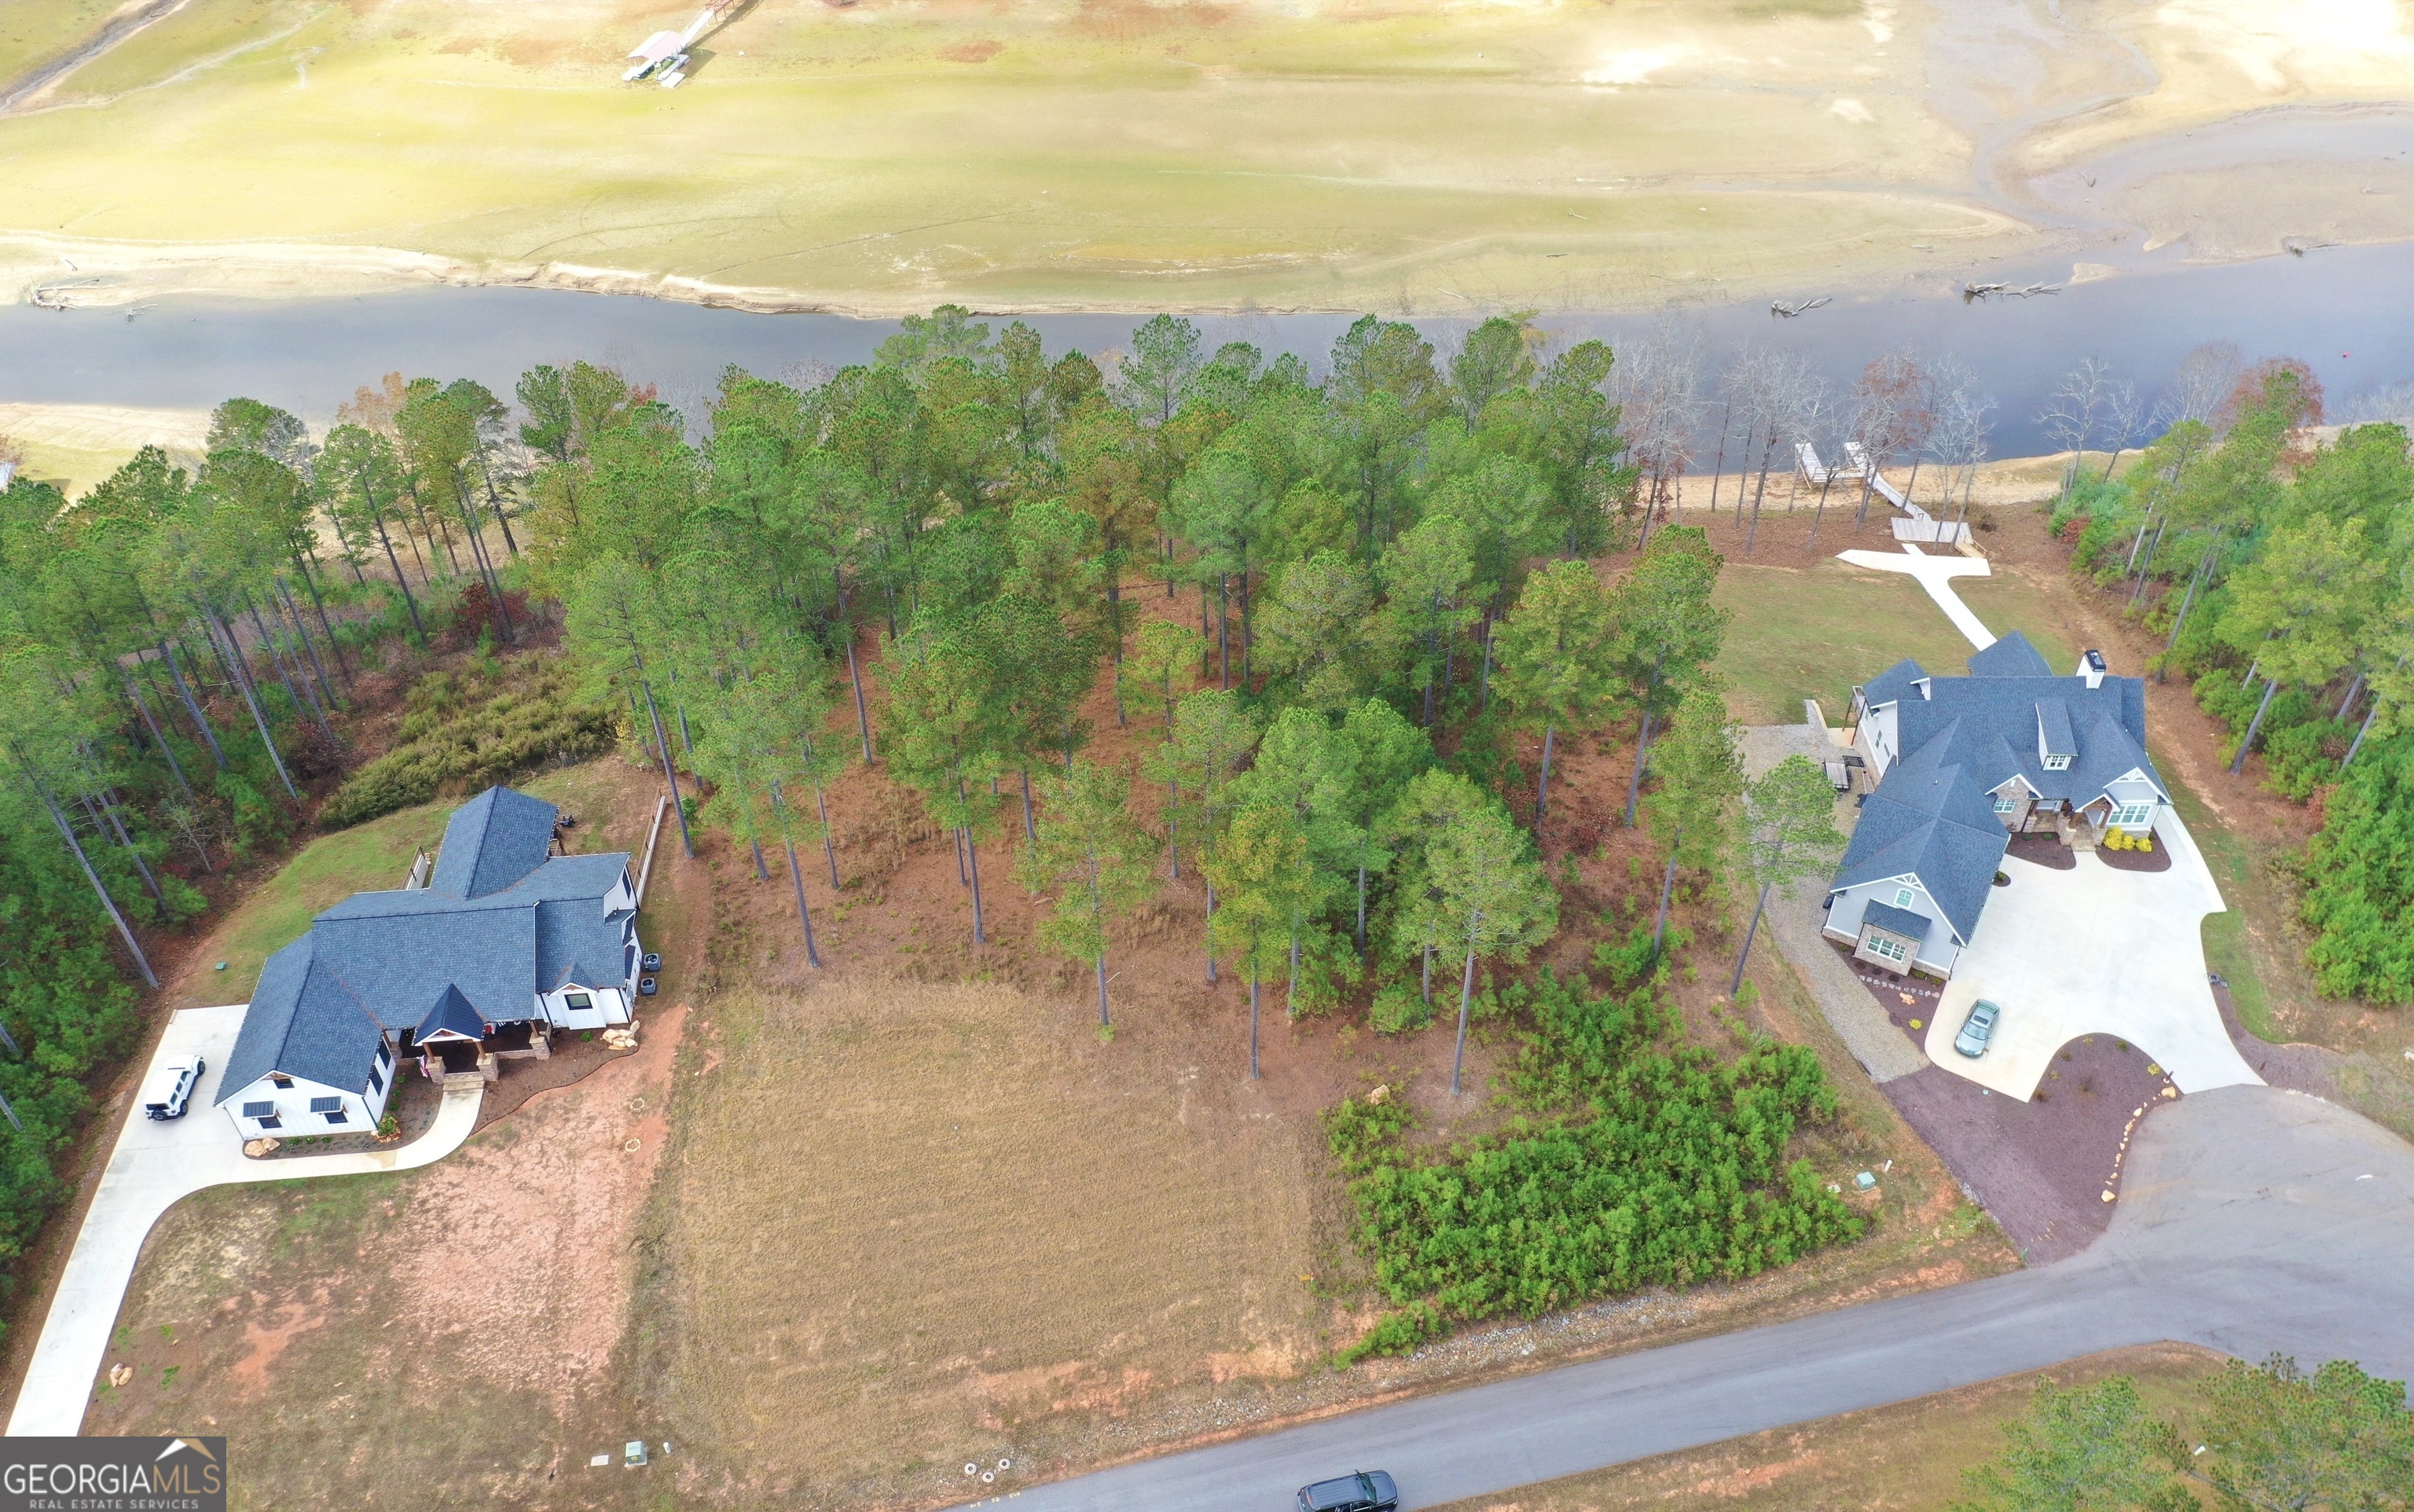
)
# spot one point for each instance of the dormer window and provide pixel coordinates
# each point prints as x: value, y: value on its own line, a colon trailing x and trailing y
x: 2057, y: 763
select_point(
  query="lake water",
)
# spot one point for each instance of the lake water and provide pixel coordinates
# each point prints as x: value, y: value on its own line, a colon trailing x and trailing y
x: 2348, y: 311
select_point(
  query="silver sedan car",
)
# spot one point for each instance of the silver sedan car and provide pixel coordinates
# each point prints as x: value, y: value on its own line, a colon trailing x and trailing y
x: 1977, y: 1030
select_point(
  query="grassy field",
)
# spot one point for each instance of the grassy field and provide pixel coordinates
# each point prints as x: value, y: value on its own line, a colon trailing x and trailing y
x: 887, y: 154
x: 1125, y: 154
x: 951, y: 1259
x: 1909, y: 1457
x: 369, y: 857
x: 1814, y: 632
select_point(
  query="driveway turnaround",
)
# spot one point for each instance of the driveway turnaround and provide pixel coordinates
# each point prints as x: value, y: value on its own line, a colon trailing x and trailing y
x: 2255, y: 1221
x: 153, y: 1165
x: 2093, y: 950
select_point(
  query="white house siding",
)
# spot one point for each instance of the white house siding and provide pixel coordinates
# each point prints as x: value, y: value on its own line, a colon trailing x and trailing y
x: 2135, y: 788
x: 1936, y: 953
x: 607, y: 1007
x: 1877, y: 739
x: 362, y: 1108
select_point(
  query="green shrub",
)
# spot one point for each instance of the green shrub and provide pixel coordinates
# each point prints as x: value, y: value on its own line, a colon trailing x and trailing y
x: 2360, y: 879
x: 1639, y: 1163
x: 1399, y: 1008
x: 460, y: 734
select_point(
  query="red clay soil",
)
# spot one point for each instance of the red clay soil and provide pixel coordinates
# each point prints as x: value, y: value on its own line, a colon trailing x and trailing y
x: 2298, y: 1068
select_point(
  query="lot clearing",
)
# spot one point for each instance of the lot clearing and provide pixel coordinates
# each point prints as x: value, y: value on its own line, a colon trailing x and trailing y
x: 883, y: 156
x: 915, y: 1203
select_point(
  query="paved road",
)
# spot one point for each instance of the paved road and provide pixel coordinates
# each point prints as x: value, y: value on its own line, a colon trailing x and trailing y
x: 153, y: 1166
x: 2255, y: 1221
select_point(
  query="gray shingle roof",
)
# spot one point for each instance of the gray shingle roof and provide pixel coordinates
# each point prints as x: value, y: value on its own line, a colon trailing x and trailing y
x: 2053, y: 727
x: 493, y: 841
x: 1902, y: 921
x: 1932, y: 818
x: 380, y: 962
x: 2109, y: 725
x: 1954, y: 861
x: 2013, y: 655
x: 451, y: 1014
x: 1891, y: 685
x: 304, y: 1020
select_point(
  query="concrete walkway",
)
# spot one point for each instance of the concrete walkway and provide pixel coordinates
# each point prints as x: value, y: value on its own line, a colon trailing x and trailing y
x: 1935, y: 574
x: 154, y: 1165
x: 1795, y: 917
x: 2093, y: 950
x: 2253, y: 1220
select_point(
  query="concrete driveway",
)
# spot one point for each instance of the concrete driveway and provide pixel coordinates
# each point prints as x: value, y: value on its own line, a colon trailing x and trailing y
x: 153, y: 1166
x: 2093, y: 950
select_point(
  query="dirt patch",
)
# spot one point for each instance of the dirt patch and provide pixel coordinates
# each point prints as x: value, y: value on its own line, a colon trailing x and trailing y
x: 545, y: 1213
x: 980, y: 52
x: 264, y: 1341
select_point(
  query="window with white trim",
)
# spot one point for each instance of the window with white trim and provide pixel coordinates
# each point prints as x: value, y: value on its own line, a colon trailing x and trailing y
x: 264, y: 1113
x: 2007, y: 802
x: 1887, y: 948
x: 2133, y: 815
x: 2057, y: 763
x: 1904, y: 897
x: 332, y: 1107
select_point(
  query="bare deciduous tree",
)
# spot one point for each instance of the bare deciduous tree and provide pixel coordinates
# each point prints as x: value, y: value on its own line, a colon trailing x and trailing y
x: 1890, y: 417
x: 2203, y: 379
x: 2075, y: 411
x: 1959, y: 442
x: 1655, y: 386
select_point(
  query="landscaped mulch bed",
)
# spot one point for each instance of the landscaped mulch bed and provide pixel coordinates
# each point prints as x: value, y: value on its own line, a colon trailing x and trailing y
x: 2040, y: 1169
x: 2156, y: 860
x: 521, y: 1079
x: 2043, y: 850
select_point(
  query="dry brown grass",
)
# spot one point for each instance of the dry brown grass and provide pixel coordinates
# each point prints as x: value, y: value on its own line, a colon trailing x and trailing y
x: 1909, y: 1455
x: 943, y: 1221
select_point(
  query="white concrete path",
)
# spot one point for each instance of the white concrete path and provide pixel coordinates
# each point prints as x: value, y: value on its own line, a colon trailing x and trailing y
x: 154, y: 1165
x: 2097, y: 951
x: 1935, y: 574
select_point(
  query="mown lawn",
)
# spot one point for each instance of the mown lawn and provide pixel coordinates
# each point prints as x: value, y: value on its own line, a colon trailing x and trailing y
x: 1814, y: 632
x: 373, y: 857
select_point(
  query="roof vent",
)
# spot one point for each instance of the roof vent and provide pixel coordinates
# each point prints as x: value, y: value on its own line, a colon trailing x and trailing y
x: 2090, y: 667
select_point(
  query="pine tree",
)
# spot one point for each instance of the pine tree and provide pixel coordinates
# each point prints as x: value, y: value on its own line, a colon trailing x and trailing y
x: 1555, y: 659
x: 1097, y: 859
